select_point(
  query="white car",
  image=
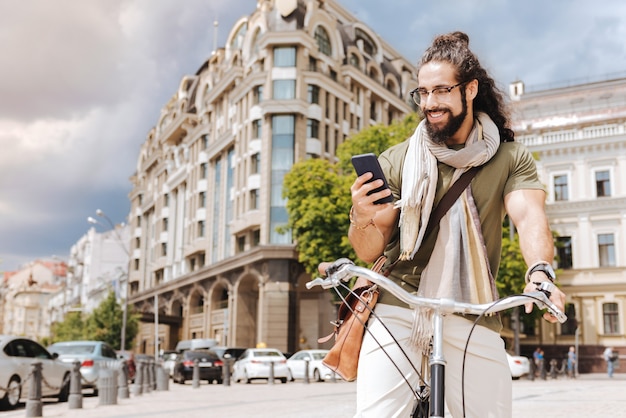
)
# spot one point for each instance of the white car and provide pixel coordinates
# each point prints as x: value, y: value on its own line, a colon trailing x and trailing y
x: 519, y: 365
x: 16, y: 356
x: 317, y: 371
x: 255, y: 363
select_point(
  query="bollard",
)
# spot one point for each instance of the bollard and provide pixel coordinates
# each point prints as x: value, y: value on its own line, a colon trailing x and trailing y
x: 163, y: 379
x: 553, y: 369
x: 196, y: 374
x: 122, y: 381
x: 306, y: 371
x: 150, y: 374
x: 146, y: 377
x: 107, y: 387
x: 153, y: 367
x: 226, y: 370
x: 532, y: 371
x: 34, y: 404
x: 138, y: 385
x: 270, y: 379
x: 542, y: 369
x: 75, y: 399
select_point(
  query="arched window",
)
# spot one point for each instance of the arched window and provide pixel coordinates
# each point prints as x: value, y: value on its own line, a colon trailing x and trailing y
x: 354, y: 60
x: 323, y: 40
x: 237, y: 40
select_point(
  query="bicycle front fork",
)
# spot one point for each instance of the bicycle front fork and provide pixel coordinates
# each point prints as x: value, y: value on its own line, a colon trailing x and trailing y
x: 437, y: 369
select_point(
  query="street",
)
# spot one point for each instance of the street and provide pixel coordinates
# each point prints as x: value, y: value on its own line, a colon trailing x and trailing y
x: 587, y: 396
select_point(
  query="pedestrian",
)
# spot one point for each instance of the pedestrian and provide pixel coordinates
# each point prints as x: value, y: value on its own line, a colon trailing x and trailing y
x: 464, y: 124
x: 571, y: 361
x: 610, y: 356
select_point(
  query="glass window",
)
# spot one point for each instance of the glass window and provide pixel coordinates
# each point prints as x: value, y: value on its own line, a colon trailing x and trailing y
x: 257, y: 95
x: 203, y: 170
x: 312, y: 128
x: 285, y: 56
x: 606, y: 250
x: 255, y: 163
x: 313, y: 94
x: 200, y: 228
x: 560, y: 188
x: 564, y: 252
x: 354, y: 60
x: 164, y: 248
x: 284, y: 89
x: 283, y: 138
x: 256, y: 237
x: 254, y: 199
x: 312, y: 64
x: 201, y: 199
x: 610, y: 315
x: 603, y: 184
x: 257, y: 129
x: 165, y: 224
x: 569, y: 327
x: 205, y: 141
x: 323, y: 41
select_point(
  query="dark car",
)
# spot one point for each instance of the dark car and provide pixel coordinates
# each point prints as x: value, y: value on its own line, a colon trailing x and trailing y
x: 209, y: 365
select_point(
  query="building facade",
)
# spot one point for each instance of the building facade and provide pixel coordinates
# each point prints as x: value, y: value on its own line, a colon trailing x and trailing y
x: 578, y: 135
x: 294, y: 79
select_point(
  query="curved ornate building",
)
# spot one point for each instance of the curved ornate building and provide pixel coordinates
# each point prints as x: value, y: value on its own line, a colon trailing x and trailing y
x: 293, y: 81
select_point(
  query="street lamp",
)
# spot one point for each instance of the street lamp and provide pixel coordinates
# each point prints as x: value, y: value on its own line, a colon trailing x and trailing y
x: 94, y: 221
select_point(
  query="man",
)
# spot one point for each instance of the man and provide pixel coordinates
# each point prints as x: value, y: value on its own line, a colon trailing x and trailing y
x: 610, y: 357
x: 464, y: 125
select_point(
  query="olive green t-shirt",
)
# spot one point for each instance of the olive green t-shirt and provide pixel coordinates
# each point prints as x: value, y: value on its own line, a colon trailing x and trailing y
x: 511, y: 168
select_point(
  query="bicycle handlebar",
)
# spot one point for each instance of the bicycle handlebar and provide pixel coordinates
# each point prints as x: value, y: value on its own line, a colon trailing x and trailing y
x: 346, y: 270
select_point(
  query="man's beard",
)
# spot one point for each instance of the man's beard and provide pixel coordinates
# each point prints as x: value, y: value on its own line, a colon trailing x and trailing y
x: 441, y: 135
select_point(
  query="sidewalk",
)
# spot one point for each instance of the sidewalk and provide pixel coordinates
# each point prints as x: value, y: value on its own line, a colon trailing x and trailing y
x: 593, y: 395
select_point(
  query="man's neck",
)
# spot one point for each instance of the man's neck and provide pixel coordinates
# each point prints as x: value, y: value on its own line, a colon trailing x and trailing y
x: 461, y: 135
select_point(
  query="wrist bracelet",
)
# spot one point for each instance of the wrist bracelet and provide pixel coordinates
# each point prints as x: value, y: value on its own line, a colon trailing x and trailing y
x: 353, y: 223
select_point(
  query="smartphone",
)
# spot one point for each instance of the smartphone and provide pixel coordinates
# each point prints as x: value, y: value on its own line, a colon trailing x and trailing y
x: 364, y: 163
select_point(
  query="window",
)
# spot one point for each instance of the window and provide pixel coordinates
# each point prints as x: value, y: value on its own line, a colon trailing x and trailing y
x: 255, y: 163
x: 354, y: 61
x: 283, y: 145
x: 312, y: 128
x: 256, y: 237
x: 205, y: 141
x: 610, y: 314
x: 564, y: 252
x: 284, y: 89
x: 603, y: 184
x: 373, y: 115
x: 257, y: 95
x: 285, y: 56
x: 257, y: 129
x: 569, y: 327
x: 165, y: 224
x: 560, y: 188
x: 323, y: 41
x: 254, y: 199
x: 313, y: 94
x: 312, y: 64
x: 137, y: 242
x: 166, y: 199
x: 202, y: 200
x: 333, y: 75
x: 606, y: 250
x: 164, y: 248
x: 241, y: 244
x: 200, y: 228
x: 203, y: 170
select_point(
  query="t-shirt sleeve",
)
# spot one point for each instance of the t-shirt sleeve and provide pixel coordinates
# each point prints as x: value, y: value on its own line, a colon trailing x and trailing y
x: 523, y: 173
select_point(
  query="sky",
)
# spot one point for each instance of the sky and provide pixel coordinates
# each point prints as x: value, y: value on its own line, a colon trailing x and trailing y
x: 83, y: 82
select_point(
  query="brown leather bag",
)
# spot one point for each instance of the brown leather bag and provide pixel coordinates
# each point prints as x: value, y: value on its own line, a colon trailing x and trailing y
x: 343, y: 357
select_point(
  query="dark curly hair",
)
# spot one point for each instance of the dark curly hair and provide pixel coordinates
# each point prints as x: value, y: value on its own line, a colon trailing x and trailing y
x: 454, y: 49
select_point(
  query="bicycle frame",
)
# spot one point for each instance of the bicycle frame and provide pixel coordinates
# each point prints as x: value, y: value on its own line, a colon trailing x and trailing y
x: 343, y: 270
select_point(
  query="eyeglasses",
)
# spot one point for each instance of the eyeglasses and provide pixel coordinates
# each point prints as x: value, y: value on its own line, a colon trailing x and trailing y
x: 420, y: 95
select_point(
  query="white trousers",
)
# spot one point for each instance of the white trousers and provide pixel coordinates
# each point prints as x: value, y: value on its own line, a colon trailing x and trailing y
x: 381, y: 391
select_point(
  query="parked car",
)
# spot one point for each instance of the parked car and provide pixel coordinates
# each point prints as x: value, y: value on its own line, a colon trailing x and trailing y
x: 169, y: 361
x: 255, y: 363
x: 519, y: 365
x: 16, y: 356
x: 93, y: 356
x: 129, y: 358
x: 317, y: 371
x: 209, y: 364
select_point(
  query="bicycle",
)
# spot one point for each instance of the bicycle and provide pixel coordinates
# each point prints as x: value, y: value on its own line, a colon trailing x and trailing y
x: 431, y: 392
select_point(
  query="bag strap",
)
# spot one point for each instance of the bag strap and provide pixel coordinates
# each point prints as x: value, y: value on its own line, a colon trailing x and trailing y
x: 449, y: 198
x: 442, y: 208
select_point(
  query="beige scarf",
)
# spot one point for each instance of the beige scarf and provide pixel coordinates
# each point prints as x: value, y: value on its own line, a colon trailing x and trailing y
x: 458, y: 267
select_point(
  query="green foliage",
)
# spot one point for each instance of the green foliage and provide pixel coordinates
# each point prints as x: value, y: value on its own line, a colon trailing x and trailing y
x: 103, y: 324
x: 318, y: 195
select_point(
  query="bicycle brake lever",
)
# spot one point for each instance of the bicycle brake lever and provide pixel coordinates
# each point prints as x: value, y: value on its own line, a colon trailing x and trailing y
x: 543, y: 295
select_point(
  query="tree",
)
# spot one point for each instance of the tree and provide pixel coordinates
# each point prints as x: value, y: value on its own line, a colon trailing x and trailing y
x: 318, y: 194
x: 105, y: 323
